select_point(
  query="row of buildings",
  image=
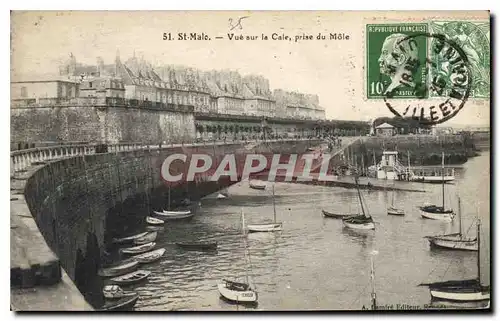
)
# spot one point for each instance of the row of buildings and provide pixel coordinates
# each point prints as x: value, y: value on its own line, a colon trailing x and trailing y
x: 223, y: 92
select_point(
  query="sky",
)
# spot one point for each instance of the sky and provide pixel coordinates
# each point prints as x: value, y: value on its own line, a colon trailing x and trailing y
x: 332, y: 69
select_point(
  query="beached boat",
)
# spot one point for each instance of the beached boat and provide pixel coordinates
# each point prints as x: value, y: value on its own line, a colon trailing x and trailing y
x: 198, y: 246
x: 360, y: 221
x: 124, y: 304
x: 114, y: 292
x: 239, y: 292
x: 462, y: 290
x: 266, y: 227
x: 120, y: 268
x: 257, y: 185
x: 435, y: 212
x: 336, y: 215
x: 150, y: 237
x: 138, y: 249
x: 129, y: 238
x: 130, y: 278
x: 149, y: 257
x: 154, y: 221
x: 454, y: 241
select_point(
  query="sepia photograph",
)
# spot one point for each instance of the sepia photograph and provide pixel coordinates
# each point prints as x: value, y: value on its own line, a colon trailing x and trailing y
x: 250, y: 161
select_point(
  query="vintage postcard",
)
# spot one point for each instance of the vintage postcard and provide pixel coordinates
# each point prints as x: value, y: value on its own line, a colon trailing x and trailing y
x: 250, y: 160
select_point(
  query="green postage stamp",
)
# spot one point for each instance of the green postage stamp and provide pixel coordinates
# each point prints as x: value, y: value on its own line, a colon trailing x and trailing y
x: 397, y: 48
x: 474, y: 40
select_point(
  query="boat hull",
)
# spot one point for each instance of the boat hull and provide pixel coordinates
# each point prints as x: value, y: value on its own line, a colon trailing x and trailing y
x: 154, y: 221
x: 138, y: 249
x: 174, y: 215
x: 447, y: 217
x: 148, y: 238
x: 453, y: 243
x: 273, y: 227
x: 130, y: 279
x: 149, y: 256
x: 198, y: 246
x: 395, y: 211
x: 362, y: 226
x: 119, y: 270
x: 460, y: 296
x: 129, y: 238
x: 337, y: 216
x: 433, y: 179
x: 125, y: 304
x: 248, y: 296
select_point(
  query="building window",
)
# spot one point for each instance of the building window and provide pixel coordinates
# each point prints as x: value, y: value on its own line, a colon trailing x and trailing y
x: 24, y: 92
x: 90, y: 84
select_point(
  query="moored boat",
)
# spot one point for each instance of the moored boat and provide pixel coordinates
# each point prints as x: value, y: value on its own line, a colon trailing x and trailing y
x: 124, y: 304
x: 221, y: 196
x: 138, y: 249
x: 114, y: 292
x: 239, y: 292
x: 129, y: 238
x: 149, y: 257
x: 395, y: 211
x: 454, y: 241
x: 154, y: 221
x: 174, y: 215
x: 435, y: 212
x: 271, y: 227
x: 154, y: 228
x: 336, y: 215
x: 149, y: 237
x: 469, y: 290
x: 130, y: 278
x: 267, y: 227
x: 201, y: 246
x: 119, y: 268
x: 361, y: 221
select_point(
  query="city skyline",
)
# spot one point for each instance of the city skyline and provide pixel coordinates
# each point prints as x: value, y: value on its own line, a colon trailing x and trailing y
x: 332, y: 70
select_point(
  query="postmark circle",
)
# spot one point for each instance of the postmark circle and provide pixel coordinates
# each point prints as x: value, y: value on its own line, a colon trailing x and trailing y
x: 449, y: 80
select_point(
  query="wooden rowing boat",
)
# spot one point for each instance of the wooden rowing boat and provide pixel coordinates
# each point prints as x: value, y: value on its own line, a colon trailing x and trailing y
x: 201, y: 246
x: 131, y: 278
x: 149, y: 237
x: 129, y: 238
x: 119, y: 268
x: 154, y: 221
x: 149, y: 257
x: 125, y: 304
x: 138, y: 249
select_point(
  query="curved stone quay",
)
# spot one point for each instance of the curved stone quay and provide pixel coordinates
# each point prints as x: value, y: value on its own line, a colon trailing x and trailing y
x: 62, y: 198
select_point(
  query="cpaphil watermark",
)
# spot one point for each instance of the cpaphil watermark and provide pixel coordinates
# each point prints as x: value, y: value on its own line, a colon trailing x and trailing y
x: 236, y: 167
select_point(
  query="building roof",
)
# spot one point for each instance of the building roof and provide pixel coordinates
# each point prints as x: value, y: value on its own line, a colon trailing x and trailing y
x: 384, y: 125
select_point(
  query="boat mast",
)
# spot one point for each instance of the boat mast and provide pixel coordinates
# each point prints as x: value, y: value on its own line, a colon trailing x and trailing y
x: 442, y: 176
x: 459, y: 218
x: 478, y: 251
x: 274, y: 206
x: 359, y: 194
x: 245, y: 244
x: 374, y: 296
x: 409, y: 167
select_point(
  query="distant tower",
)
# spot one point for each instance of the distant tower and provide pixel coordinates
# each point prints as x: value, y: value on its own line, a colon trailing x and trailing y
x: 100, y: 66
x: 71, y: 65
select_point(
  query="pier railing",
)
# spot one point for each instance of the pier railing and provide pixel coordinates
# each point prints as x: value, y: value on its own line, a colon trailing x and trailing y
x: 20, y: 160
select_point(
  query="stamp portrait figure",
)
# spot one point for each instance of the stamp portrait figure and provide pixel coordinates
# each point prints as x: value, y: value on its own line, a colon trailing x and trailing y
x: 397, y: 52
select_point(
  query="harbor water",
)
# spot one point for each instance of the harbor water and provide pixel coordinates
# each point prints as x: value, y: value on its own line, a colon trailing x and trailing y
x: 315, y: 263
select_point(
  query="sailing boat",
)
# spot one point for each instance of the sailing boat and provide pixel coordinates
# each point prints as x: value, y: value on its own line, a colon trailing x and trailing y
x: 361, y: 221
x: 435, y: 212
x: 266, y: 227
x: 173, y: 215
x: 462, y: 290
x: 392, y: 210
x: 239, y: 292
x: 454, y: 241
